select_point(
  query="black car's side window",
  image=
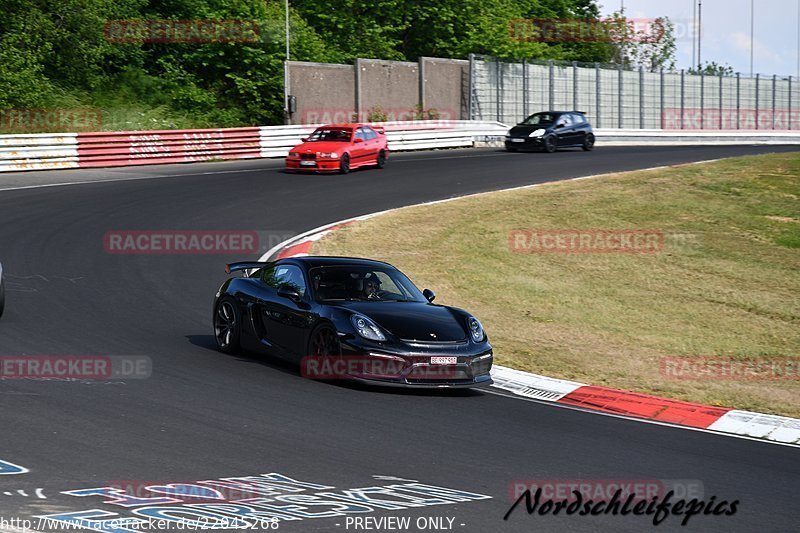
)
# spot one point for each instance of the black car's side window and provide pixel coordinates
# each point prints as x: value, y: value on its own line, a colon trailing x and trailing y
x: 279, y: 275
x: 578, y: 119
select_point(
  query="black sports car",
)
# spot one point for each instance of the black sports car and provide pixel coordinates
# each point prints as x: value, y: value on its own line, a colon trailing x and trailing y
x: 550, y: 131
x: 346, y: 318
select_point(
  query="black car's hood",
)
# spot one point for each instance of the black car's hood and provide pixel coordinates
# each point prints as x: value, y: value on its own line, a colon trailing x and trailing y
x: 413, y: 320
x: 521, y: 131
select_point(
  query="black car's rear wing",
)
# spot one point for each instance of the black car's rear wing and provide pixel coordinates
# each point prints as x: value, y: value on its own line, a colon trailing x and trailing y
x: 244, y: 265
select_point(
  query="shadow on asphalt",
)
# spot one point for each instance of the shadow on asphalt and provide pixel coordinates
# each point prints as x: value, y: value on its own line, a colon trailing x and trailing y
x: 207, y: 342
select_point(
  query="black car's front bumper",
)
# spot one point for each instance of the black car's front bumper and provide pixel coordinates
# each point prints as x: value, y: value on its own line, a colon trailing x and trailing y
x: 522, y: 143
x: 473, y: 363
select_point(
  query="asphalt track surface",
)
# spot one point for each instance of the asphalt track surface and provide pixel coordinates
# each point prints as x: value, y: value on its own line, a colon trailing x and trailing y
x: 205, y: 415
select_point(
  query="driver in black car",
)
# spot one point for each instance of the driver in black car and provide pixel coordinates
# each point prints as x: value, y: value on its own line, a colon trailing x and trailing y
x: 372, y: 285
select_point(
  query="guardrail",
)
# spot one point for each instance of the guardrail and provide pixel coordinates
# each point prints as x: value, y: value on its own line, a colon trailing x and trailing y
x: 108, y: 149
x: 122, y: 148
x: 38, y: 151
x: 615, y: 137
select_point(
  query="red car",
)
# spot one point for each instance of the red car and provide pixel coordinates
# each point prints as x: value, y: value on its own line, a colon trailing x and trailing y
x: 340, y: 148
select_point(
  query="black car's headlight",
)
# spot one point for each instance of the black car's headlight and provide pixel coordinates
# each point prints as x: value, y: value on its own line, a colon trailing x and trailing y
x: 475, y: 329
x: 367, y: 328
x: 538, y: 133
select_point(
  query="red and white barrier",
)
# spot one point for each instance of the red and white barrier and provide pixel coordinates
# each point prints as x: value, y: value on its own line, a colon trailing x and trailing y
x: 168, y: 146
x: 123, y: 148
x: 38, y: 151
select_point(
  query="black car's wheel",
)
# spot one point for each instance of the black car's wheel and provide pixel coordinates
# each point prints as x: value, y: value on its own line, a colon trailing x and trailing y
x: 588, y: 142
x: 2, y: 297
x: 324, y: 342
x: 381, y: 160
x: 344, y: 164
x: 550, y: 144
x: 227, y: 325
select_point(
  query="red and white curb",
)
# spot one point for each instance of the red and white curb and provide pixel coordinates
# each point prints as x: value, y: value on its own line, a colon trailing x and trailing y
x: 771, y: 428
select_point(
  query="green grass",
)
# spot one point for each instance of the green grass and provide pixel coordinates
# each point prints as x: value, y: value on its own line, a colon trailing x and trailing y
x: 726, y: 284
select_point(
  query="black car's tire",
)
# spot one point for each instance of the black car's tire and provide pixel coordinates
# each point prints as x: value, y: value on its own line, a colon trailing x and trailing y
x: 381, y: 159
x: 2, y: 297
x: 344, y: 164
x: 588, y: 143
x: 227, y: 325
x: 324, y: 342
x: 550, y: 144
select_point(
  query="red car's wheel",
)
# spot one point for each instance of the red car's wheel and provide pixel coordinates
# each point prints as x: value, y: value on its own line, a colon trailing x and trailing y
x: 344, y: 164
x: 381, y: 159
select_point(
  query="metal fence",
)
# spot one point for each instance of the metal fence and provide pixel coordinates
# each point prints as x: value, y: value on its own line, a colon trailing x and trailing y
x: 615, y: 97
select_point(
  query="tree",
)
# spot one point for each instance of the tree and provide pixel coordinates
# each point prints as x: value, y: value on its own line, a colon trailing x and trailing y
x: 650, y: 46
x: 712, y: 68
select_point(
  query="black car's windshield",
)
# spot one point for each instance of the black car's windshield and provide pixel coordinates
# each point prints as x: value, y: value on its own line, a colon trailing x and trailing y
x: 331, y: 134
x: 356, y: 282
x: 540, y: 119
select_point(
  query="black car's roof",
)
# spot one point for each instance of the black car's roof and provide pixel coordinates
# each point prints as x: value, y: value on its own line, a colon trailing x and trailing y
x: 318, y: 261
x: 557, y: 112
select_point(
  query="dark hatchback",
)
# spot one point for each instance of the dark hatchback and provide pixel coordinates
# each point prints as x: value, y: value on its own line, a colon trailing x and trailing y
x: 352, y: 319
x: 550, y: 131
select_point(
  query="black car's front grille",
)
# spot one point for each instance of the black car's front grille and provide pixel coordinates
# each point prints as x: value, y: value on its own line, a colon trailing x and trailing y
x: 308, y: 157
x: 441, y: 373
x: 433, y: 344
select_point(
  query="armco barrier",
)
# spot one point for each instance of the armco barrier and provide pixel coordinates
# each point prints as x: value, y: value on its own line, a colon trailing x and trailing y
x: 38, y: 151
x: 616, y: 137
x: 108, y: 149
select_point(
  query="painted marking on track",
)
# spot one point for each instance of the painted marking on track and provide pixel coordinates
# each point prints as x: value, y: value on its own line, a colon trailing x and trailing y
x: 8, y: 469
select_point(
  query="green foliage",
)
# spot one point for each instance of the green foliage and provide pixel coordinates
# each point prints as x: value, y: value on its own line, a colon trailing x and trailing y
x: 712, y: 68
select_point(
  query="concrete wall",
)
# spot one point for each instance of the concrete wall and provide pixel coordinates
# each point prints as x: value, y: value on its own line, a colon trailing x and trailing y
x: 325, y: 92
x: 446, y: 87
x: 391, y: 85
x: 333, y: 93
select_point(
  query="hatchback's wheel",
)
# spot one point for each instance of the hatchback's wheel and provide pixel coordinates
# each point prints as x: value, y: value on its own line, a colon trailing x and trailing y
x: 344, y: 164
x: 550, y: 144
x: 588, y: 143
x: 227, y: 325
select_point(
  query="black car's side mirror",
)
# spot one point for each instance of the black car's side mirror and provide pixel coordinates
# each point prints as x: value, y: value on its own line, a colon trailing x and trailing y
x: 429, y: 295
x: 287, y: 291
x: 559, y: 126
